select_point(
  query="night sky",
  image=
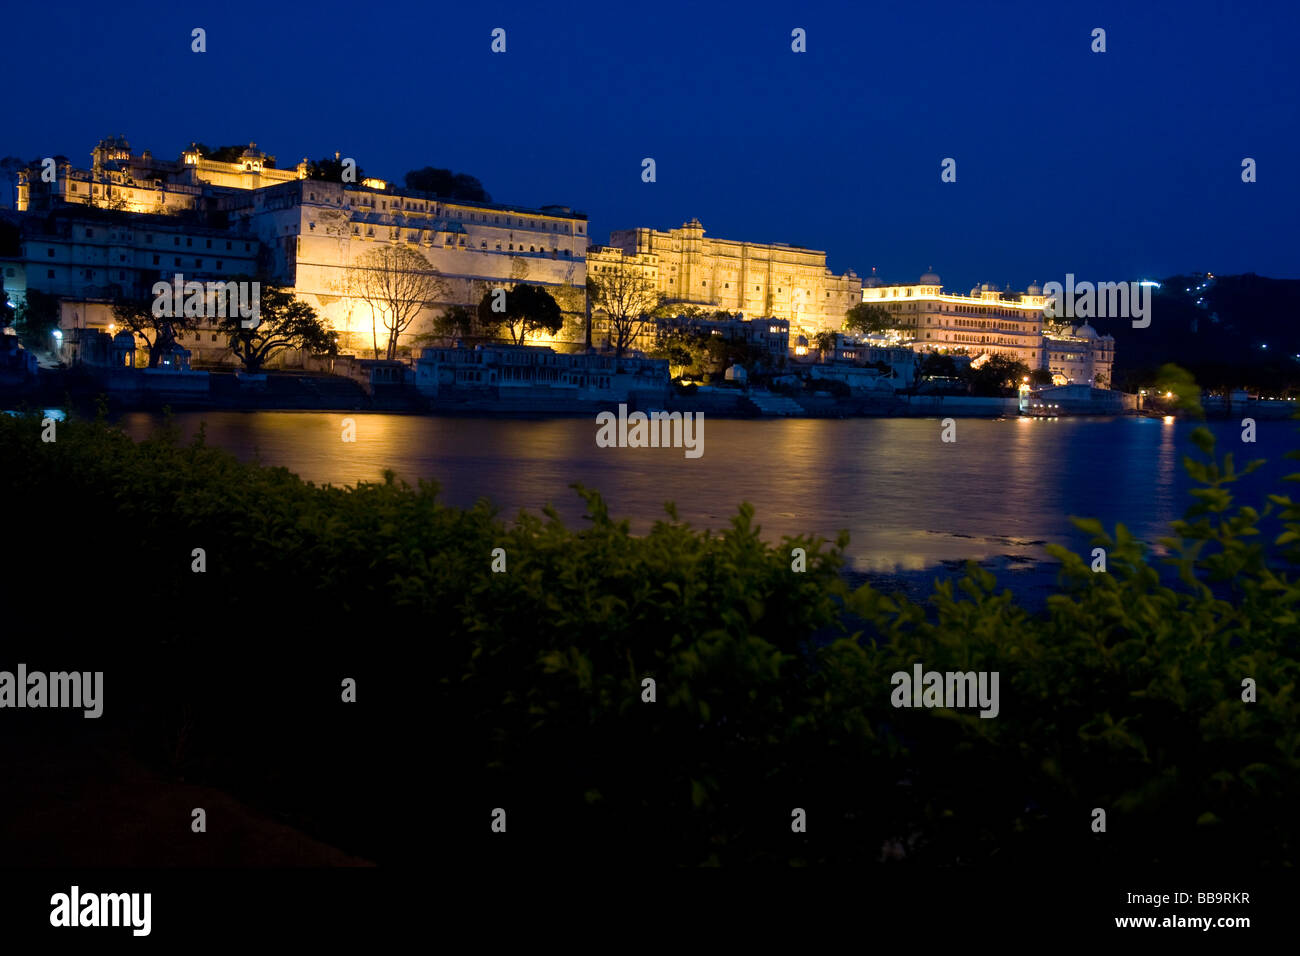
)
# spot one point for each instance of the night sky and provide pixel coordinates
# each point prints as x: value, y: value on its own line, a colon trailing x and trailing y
x: 1110, y: 166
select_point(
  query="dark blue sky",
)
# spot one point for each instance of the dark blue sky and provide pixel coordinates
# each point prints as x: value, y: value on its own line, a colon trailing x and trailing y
x: 1105, y: 165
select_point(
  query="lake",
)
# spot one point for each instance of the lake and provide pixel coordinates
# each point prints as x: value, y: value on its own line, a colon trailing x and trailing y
x: 912, y: 503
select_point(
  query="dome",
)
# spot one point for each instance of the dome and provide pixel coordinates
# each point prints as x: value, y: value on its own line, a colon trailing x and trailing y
x: 1034, y: 288
x: 872, y: 281
x: 930, y: 278
x: 1086, y: 331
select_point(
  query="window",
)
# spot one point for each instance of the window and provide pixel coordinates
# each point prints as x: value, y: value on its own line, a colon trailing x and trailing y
x: 176, y: 240
x: 209, y: 244
x: 155, y: 260
x: 50, y: 252
x: 198, y: 263
x: 177, y: 260
x: 49, y: 274
x: 220, y: 264
x: 189, y: 241
x: 227, y: 243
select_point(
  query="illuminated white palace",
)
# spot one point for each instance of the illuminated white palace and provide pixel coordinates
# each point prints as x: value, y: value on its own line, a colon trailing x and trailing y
x: 309, y: 234
x: 989, y: 321
x: 772, y: 280
x: 118, y: 179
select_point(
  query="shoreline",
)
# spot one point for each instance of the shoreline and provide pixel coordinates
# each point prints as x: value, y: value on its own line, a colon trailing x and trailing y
x: 317, y: 394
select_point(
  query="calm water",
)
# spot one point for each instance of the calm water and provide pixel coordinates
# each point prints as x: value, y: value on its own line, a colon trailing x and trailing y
x: 911, y: 502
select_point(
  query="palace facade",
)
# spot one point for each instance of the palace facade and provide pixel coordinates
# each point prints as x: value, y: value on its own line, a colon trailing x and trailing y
x: 990, y: 321
x: 770, y: 280
x: 311, y: 235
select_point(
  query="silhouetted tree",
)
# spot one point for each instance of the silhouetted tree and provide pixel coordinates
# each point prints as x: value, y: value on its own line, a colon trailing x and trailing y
x: 445, y: 183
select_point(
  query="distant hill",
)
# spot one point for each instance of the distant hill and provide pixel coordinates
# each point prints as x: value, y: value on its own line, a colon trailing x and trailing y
x: 1218, y: 332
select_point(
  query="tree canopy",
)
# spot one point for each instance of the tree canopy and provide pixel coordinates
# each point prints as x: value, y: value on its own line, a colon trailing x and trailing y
x: 286, y: 323
x: 524, y: 310
x: 445, y: 183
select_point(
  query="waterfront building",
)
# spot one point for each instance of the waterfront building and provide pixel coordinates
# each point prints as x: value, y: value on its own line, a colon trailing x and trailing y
x: 774, y: 280
x: 992, y: 321
x: 520, y: 372
x: 312, y: 236
x: 91, y: 258
x: 1078, y: 355
x: 317, y: 235
x: 121, y: 180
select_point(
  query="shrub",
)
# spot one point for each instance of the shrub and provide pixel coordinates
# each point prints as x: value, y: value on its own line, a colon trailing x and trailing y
x: 524, y: 689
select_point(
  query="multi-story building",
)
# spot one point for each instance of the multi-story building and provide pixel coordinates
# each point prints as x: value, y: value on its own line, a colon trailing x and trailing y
x: 312, y: 235
x: 993, y: 322
x: 757, y: 279
x: 318, y: 235
x: 91, y: 258
x: 119, y: 180
x: 1078, y: 356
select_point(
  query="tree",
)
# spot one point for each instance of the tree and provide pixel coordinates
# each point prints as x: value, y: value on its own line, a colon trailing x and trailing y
x: 286, y: 323
x: 825, y: 341
x: 35, y: 320
x: 1040, y: 376
x: 628, y: 297
x: 224, y: 154
x: 594, y: 293
x: 938, y: 365
x: 865, y: 319
x: 527, y: 309
x: 331, y: 169
x: 684, y: 343
x: 397, y: 283
x: 158, y: 331
x: 997, y: 376
x: 463, y: 323
x: 445, y: 183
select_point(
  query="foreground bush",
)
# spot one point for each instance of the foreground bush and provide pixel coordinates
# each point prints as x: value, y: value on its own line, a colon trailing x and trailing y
x: 523, y: 689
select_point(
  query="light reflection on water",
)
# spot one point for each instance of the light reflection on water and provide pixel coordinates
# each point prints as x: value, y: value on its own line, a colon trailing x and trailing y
x: 909, y: 501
